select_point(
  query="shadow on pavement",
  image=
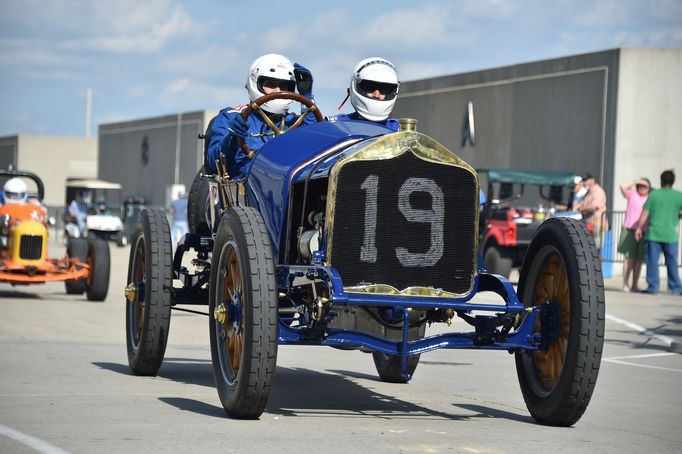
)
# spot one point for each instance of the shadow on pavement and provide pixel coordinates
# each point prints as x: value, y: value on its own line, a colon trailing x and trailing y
x: 19, y: 294
x: 182, y: 370
x: 195, y: 406
x: 487, y: 412
x: 309, y: 393
x: 303, y: 392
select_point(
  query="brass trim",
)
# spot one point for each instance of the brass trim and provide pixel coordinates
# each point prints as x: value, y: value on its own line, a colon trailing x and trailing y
x: 220, y: 314
x: 131, y: 292
x: 408, y: 124
x: 385, y: 289
x: 391, y: 146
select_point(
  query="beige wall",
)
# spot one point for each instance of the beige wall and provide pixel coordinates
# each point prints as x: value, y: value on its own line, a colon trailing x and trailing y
x: 649, y: 123
x: 54, y: 159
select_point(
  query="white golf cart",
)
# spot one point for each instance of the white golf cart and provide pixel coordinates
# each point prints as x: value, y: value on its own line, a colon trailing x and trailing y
x: 103, y: 202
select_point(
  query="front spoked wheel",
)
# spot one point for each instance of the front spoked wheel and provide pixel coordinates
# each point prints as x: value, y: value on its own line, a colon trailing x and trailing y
x: 148, y: 293
x: 243, y: 313
x: 562, y: 272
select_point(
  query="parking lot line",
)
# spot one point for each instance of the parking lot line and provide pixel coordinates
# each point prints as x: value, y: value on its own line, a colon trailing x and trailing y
x: 647, y: 332
x: 32, y: 442
x: 646, y: 366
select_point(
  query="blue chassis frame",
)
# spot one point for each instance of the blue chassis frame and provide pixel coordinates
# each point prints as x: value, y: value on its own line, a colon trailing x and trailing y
x: 522, y: 338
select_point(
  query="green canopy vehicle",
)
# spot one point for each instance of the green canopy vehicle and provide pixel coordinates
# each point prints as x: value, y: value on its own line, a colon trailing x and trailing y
x: 516, y: 203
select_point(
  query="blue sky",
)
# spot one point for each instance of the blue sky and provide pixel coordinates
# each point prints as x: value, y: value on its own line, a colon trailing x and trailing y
x: 145, y: 58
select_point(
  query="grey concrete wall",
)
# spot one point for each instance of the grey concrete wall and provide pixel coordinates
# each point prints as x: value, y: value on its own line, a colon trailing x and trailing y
x: 555, y: 114
x: 649, y: 123
x: 146, y: 156
x: 53, y: 159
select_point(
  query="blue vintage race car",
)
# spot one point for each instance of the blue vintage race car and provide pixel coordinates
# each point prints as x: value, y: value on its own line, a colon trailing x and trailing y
x: 350, y: 235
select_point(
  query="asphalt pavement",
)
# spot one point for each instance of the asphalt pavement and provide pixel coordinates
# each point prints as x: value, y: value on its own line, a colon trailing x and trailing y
x: 65, y: 386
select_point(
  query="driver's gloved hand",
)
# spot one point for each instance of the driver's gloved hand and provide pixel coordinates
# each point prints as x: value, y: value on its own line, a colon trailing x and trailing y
x: 304, y: 80
x: 238, y: 127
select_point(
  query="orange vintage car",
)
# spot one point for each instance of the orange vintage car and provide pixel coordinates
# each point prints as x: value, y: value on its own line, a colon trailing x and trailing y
x: 24, y: 237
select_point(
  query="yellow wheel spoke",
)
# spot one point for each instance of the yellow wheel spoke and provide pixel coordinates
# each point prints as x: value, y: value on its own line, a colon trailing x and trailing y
x: 552, y: 284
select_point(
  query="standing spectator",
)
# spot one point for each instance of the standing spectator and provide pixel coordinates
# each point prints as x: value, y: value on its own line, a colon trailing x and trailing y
x: 178, y: 212
x: 579, y: 191
x: 78, y: 210
x: 662, y: 210
x: 636, y: 192
x: 592, y: 207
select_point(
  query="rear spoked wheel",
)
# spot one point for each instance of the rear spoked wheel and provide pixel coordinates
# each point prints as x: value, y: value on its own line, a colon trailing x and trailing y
x: 562, y: 271
x: 243, y: 313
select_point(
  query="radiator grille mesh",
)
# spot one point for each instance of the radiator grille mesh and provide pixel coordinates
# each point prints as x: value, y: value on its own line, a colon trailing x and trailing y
x: 405, y: 222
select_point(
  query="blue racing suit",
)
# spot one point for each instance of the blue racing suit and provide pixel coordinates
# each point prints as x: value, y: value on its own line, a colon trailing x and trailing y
x: 390, y: 122
x: 220, y: 139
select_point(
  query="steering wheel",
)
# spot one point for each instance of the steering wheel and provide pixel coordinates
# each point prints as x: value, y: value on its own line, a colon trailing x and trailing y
x: 255, y: 106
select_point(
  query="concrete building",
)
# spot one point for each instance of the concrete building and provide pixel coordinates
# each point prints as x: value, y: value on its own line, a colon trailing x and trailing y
x: 150, y: 157
x: 52, y: 158
x: 615, y: 114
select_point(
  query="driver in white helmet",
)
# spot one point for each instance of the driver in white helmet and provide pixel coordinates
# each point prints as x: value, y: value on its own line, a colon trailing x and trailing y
x: 271, y: 73
x: 15, y: 191
x: 373, y: 90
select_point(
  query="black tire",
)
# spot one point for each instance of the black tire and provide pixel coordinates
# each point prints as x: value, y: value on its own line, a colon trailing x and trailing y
x: 563, y: 264
x: 196, y: 206
x: 244, y: 346
x: 77, y: 248
x: 148, y: 311
x: 100, y: 265
x: 497, y: 261
x: 121, y: 239
x: 388, y: 366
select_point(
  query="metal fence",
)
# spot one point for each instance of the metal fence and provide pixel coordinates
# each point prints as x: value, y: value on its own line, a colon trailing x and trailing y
x: 611, y: 238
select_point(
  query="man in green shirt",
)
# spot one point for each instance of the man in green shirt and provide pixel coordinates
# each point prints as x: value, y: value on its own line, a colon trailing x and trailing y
x: 662, y: 210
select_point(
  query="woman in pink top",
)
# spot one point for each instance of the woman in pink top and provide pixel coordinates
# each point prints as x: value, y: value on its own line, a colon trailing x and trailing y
x: 628, y: 245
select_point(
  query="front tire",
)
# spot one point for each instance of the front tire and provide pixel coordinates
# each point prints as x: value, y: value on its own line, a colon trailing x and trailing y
x: 562, y: 266
x: 243, y: 313
x: 148, y: 309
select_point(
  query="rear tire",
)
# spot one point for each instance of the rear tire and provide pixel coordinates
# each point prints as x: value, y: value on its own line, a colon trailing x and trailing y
x: 100, y: 265
x: 389, y: 368
x: 150, y: 271
x: 497, y: 261
x: 77, y: 248
x: 196, y: 205
x: 562, y: 265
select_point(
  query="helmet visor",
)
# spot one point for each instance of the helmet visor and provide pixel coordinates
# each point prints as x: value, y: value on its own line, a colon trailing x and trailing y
x: 271, y: 83
x: 365, y: 87
x: 14, y: 195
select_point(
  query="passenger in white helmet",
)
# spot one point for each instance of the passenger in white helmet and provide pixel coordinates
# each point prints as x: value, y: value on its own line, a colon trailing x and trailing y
x: 271, y: 73
x: 373, y: 90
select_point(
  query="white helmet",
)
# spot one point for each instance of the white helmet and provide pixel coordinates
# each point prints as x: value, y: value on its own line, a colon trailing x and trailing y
x: 15, y: 191
x: 271, y: 66
x: 374, y: 74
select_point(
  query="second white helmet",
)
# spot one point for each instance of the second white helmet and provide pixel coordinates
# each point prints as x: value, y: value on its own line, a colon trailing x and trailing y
x: 15, y: 191
x: 374, y: 74
x: 271, y: 66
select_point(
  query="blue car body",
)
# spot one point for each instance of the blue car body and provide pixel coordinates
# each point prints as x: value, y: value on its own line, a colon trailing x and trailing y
x: 310, y: 153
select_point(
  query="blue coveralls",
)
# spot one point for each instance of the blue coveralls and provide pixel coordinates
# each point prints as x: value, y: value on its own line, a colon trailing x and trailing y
x: 390, y: 122
x: 220, y: 139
